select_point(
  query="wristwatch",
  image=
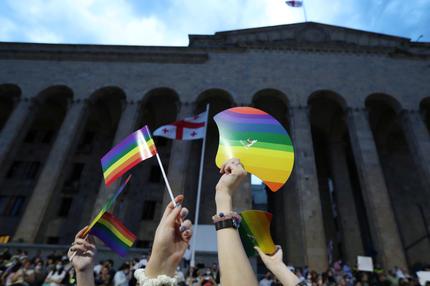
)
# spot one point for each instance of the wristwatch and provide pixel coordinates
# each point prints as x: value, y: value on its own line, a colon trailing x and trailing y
x: 227, y: 223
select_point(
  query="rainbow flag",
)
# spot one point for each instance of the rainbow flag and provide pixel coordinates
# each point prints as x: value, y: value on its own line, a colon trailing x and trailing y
x: 135, y: 148
x: 260, y: 142
x: 113, y: 233
x: 108, y: 204
x: 254, y: 230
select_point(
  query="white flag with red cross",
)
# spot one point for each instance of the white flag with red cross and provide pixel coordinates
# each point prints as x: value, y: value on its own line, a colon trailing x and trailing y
x: 189, y: 128
x: 294, y: 3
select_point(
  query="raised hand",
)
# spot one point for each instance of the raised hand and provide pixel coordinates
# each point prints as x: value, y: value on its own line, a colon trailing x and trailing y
x: 271, y: 260
x: 82, y: 252
x: 170, y: 242
x: 233, y: 174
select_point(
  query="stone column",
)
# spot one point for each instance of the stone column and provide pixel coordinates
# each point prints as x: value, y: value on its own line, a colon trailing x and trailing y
x: 314, y: 244
x: 47, y: 182
x: 418, y: 140
x: 179, y: 156
x: 351, y: 236
x: 293, y: 234
x: 16, y: 128
x: 383, y: 227
x: 126, y: 125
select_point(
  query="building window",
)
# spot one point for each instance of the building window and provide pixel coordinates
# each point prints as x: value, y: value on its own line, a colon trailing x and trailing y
x: 86, y: 143
x: 31, y: 170
x: 48, y: 136
x: 148, y: 212
x: 11, y: 205
x: 155, y: 174
x: 76, y: 173
x: 31, y: 136
x: 65, y: 206
x: 143, y: 243
x: 52, y: 240
x: 23, y: 170
x: 14, y: 170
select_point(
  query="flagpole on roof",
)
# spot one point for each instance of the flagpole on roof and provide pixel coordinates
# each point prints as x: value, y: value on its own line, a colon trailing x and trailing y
x: 199, y: 188
x: 304, y: 11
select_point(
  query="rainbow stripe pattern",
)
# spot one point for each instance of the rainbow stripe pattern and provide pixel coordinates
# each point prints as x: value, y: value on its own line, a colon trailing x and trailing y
x: 135, y: 148
x: 260, y: 142
x: 108, y: 204
x: 254, y: 230
x: 113, y: 233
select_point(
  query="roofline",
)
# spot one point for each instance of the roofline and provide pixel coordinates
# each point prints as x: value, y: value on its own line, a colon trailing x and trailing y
x: 84, y: 45
x: 312, y: 23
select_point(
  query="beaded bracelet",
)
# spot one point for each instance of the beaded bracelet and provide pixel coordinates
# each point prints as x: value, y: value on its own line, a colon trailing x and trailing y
x: 224, y: 216
x: 161, y: 280
x: 225, y: 220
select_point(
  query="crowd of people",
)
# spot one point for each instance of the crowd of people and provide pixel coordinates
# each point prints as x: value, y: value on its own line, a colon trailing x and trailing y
x: 171, y: 242
x: 17, y: 268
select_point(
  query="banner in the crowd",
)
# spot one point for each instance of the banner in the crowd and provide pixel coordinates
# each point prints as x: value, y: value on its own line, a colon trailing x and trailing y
x: 135, y: 148
x: 365, y: 263
x: 113, y: 233
x: 254, y: 230
x: 108, y: 204
x: 423, y: 277
x: 190, y: 128
x: 260, y: 142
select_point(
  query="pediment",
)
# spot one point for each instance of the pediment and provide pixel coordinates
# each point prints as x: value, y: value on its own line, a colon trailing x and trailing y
x: 294, y: 34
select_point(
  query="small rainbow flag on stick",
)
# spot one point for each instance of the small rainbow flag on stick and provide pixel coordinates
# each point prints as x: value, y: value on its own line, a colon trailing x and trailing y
x: 135, y: 148
x: 254, y: 230
x: 108, y: 204
x: 113, y: 233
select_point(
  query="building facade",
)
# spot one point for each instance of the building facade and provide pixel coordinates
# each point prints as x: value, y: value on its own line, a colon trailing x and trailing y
x: 356, y: 104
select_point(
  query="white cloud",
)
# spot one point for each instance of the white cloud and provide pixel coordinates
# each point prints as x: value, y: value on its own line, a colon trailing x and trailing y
x: 118, y: 22
x: 106, y: 22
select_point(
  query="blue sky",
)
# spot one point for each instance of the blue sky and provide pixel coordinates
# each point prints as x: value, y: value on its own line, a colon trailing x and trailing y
x: 168, y: 22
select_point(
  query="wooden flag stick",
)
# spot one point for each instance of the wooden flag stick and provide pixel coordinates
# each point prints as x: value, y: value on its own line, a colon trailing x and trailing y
x: 165, y: 179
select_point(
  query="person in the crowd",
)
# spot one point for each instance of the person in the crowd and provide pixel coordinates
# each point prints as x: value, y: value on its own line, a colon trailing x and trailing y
x: 104, y: 278
x: 235, y: 268
x: 193, y: 277
x: 276, y: 265
x: 122, y: 276
x: 70, y: 279
x: 187, y: 258
x: 39, y: 272
x: 56, y: 276
x: 180, y: 276
x: 24, y: 275
x: 215, y: 272
x: 267, y: 280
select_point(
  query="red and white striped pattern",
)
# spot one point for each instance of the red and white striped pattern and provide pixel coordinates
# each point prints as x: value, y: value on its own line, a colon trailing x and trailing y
x: 189, y: 128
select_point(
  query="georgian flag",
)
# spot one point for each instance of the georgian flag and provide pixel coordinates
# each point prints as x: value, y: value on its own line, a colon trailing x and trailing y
x: 189, y: 128
x: 293, y: 3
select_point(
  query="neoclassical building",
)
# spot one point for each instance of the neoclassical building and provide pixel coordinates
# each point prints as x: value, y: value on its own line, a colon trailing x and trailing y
x: 356, y: 104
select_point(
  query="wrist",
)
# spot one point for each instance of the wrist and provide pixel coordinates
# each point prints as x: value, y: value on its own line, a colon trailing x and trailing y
x: 278, y: 267
x: 85, y: 277
x: 223, y: 202
x: 158, y: 267
x: 84, y: 270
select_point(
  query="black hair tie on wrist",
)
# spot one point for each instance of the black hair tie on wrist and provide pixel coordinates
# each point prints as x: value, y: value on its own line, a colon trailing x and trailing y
x: 226, y: 224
